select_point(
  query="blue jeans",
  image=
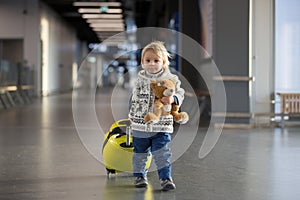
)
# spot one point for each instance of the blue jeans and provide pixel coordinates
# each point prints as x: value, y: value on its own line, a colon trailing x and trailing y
x: 157, y: 144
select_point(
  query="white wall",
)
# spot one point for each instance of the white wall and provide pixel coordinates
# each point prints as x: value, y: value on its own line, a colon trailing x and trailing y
x: 19, y: 19
x: 12, y: 19
x: 262, y: 67
x: 60, y: 48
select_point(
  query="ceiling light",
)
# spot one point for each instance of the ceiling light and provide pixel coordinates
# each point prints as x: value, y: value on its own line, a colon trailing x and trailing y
x: 113, y: 4
x: 95, y: 10
x: 108, y: 29
x: 102, y: 16
x: 106, y: 25
x: 105, y: 21
x: 110, y: 33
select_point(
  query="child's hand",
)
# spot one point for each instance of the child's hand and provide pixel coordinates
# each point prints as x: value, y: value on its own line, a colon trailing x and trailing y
x: 167, y: 100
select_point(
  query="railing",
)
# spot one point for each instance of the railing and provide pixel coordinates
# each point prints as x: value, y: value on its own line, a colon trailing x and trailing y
x: 16, y: 84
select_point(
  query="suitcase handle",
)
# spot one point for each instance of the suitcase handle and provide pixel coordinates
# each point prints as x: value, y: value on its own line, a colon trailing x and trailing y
x: 127, y: 122
x: 128, y: 135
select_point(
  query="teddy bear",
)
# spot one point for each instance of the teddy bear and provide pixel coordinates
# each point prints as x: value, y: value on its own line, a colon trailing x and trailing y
x: 160, y: 89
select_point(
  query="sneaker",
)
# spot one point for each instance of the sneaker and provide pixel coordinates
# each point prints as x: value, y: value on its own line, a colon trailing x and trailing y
x: 167, y: 184
x: 141, y: 182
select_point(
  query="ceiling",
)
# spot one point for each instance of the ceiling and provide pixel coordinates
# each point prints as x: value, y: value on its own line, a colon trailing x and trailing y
x: 134, y: 9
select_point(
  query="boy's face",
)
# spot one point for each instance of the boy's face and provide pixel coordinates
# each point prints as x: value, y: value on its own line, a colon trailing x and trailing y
x: 151, y: 62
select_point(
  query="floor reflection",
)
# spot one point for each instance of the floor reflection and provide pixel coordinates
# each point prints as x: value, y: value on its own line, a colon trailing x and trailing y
x: 122, y: 187
x: 42, y: 157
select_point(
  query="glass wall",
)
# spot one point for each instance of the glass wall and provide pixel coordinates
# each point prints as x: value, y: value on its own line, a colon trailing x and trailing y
x: 287, y: 47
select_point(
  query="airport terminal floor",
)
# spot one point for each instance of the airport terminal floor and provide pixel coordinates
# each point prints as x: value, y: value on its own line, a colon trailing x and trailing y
x: 42, y: 156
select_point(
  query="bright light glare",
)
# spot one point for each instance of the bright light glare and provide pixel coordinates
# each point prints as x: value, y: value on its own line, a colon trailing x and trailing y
x: 45, y: 54
x: 102, y: 16
x: 95, y: 10
x: 112, y: 4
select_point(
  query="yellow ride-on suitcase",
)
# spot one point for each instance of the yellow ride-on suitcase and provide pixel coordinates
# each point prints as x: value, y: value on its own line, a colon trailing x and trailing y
x: 117, y: 149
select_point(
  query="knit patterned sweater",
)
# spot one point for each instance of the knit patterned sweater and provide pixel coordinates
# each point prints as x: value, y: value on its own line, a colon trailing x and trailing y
x: 143, y: 99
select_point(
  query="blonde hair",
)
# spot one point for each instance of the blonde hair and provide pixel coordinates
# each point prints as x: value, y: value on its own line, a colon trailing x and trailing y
x: 160, y: 50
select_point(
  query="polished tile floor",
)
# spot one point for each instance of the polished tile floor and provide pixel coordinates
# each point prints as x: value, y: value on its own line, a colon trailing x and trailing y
x: 45, y: 154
